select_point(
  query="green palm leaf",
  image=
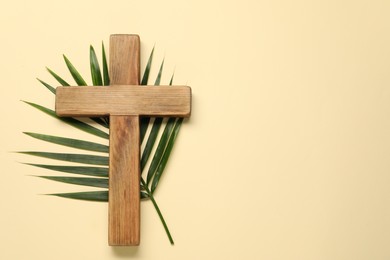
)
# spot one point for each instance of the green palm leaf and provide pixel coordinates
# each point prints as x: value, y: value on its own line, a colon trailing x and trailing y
x: 145, y: 77
x: 52, y: 89
x: 171, y: 81
x: 74, y: 143
x: 162, y: 144
x: 68, y: 157
x: 81, y: 170
x: 100, y: 196
x: 95, y: 68
x: 97, y: 79
x: 145, y: 120
x: 71, y: 121
x: 160, y: 149
x: 106, y: 77
x: 91, y: 182
x: 75, y: 74
x: 58, y: 78
x: 150, y: 142
x: 158, y: 78
x: 87, y: 195
x: 167, y: 153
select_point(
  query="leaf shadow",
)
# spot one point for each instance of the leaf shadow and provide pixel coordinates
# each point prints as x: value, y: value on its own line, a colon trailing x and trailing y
x: 125, y: 252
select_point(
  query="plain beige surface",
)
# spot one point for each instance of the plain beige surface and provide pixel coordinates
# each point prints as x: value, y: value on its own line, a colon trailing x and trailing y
x: 287, y: 152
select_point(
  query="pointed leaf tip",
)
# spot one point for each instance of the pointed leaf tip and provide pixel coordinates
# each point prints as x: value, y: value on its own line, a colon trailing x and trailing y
x: 75, y: 158
x: 75, y: 74
x: 106, y: 77
x: 58, y: 78
x: 89, y: 195
x: 70, y: 142
x: 82, y: 181
x: 52, y: 89
x: 145, y: 77
x: 71, y: 121
x: 158, y: 79
x: 95, y: 68
x: 80, y: 170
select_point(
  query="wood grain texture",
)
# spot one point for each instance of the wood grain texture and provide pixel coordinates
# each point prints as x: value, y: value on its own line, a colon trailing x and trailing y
x: 124, y: 59
x: 124, y: 181
x: 124, y: 100
x: 124, y: 169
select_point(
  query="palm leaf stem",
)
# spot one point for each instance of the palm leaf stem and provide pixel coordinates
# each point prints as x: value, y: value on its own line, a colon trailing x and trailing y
x: 150, y: 195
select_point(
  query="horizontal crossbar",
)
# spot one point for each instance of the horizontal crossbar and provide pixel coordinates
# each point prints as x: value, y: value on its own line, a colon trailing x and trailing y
x: 172, y: 101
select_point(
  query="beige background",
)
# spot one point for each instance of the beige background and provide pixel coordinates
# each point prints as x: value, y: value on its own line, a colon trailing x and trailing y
x: 286, y: 155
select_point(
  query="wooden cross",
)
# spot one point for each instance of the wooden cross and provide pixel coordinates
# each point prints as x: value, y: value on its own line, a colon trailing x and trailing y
x: 124, y: 101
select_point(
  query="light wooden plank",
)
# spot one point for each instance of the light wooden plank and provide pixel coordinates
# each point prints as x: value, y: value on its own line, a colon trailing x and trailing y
x: 124, y: 100
x: 124, y: 59
x: 124, y: 181
x: 124, y: 170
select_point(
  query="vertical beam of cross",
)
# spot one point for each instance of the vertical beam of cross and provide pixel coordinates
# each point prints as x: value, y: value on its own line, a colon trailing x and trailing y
x: 124, y: 169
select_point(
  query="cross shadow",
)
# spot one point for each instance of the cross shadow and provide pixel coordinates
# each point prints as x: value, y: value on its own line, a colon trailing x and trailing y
x: 125, y: 251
